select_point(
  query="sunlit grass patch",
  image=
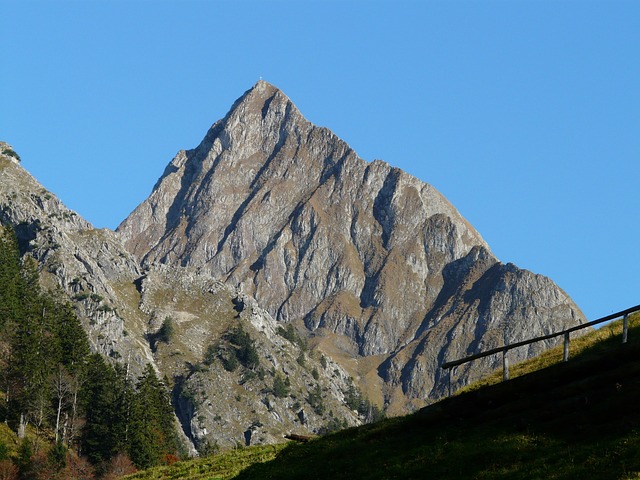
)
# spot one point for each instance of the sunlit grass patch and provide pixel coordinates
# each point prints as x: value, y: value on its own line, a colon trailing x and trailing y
x: 219, y: 467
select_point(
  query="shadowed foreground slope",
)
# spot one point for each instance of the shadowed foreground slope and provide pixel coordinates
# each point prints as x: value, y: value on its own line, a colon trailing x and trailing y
x: 572, y: 420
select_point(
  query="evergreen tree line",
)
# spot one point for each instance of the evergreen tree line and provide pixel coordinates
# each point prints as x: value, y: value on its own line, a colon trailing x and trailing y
x: 359, y: 403
x: 63, y: 401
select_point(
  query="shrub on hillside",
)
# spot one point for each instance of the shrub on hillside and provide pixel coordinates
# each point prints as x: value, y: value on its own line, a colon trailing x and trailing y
x: 243, y: 347
x: 280, y: 387
x: 165, y: 334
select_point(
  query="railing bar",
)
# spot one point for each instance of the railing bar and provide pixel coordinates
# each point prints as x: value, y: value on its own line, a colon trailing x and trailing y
x: 493, y: 351
x: 613, y: 316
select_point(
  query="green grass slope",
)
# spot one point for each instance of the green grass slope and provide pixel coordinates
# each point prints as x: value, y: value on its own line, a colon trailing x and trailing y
x: 217, y: 467
x: 579, y: 419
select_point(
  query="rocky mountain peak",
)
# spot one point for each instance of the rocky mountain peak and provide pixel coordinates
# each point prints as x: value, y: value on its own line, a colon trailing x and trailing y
x: 372, y: 261
x: 261, y: 118
x: 261, y: 145
x: 261, y: 95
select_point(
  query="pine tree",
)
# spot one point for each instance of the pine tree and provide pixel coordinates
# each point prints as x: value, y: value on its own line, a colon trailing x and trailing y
x: 280, y: 388
x: 10, y: 279
x: 152, y: 428
x: 106, y: 396
x: 74, y: 351
x: 244, y: 347
x: 50, y: 379
x: 38, y: 334
x: 73, y: 342
x: 23, y: 458
x: 10, y: 310
x: 36, y: 354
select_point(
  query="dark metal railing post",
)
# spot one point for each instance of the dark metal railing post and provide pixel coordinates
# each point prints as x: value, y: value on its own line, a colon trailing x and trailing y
x: 565, y: 355
x: 625, y: 328
x: 505, y: 365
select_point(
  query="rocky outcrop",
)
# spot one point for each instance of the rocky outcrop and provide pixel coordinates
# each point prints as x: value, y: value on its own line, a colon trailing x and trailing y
x: 377, y: 264
x: 218, y: 403
x: 91, y: 266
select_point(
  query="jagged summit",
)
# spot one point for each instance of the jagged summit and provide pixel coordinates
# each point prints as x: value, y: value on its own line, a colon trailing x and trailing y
x: 261, y: 89
x: 257, y: 100
x: 259, y: 104
x: 250, y: 148
x: 376, y: 263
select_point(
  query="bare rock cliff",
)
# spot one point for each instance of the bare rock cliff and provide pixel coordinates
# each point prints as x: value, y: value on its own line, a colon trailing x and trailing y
x: 91, y: 266
x: 377, y: 265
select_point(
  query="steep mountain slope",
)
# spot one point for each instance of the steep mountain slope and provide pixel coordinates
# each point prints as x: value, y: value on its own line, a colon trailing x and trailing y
x: 124, y: 309
x: 377, y: 264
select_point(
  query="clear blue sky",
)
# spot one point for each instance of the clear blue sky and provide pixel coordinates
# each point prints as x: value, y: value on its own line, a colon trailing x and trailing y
x: 525, y: 115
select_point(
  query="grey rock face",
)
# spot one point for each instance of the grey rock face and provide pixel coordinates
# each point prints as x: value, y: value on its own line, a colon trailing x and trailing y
x: 91, y: 266
x: 379, y: 265
x: 217, y: 405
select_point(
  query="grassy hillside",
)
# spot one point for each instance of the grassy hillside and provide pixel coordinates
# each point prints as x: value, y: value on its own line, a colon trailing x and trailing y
x: 579, y: 419
x: 217, y: 467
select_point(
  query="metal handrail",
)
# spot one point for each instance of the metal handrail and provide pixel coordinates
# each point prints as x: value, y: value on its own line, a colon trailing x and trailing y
x: 506, y: 348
